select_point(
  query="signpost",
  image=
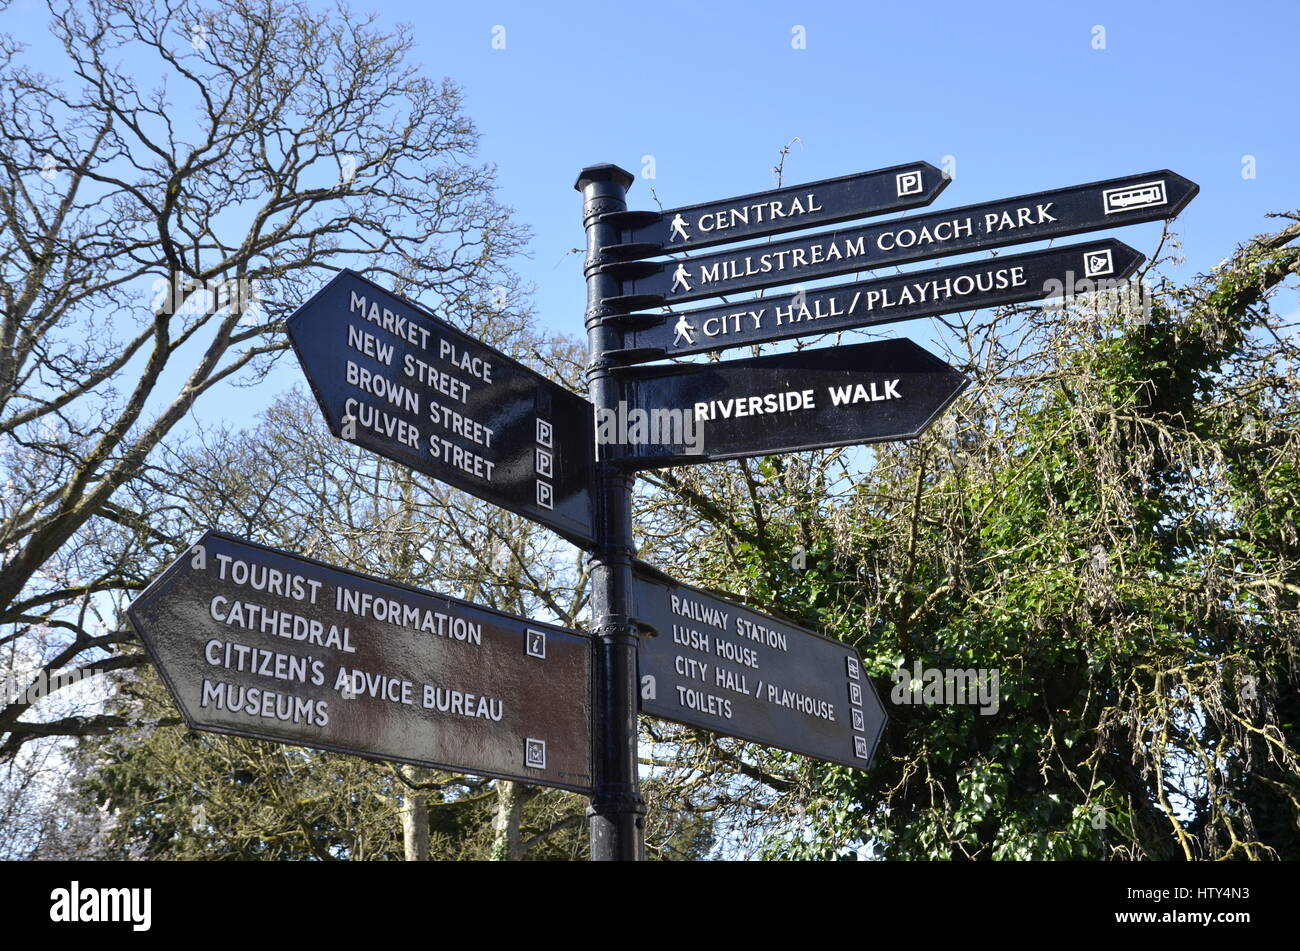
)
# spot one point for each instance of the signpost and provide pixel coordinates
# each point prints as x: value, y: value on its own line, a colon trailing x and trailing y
x: 259, y: 643
x: 255, y: 642
x: 723, y: 667
x: 393, y: 378
x: 648, y: 233
x: 989, y: 282
x: 786, y: 402
x: 1052, y: 214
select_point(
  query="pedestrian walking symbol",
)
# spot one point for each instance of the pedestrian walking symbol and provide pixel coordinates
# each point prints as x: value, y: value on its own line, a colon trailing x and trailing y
x: 684, y: 330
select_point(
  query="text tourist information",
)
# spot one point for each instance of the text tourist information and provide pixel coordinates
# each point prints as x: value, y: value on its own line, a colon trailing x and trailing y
x: 255, y: 642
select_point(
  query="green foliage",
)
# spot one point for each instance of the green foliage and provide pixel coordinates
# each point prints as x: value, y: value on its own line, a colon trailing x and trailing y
x: 1110, y: 525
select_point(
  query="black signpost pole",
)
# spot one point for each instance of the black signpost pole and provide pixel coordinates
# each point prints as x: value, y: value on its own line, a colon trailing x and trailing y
x: 617, y: 809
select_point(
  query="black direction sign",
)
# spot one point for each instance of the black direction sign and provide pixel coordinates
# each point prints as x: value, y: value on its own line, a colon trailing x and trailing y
x: 393, y: 378
x: 898, y: 188
x: 726, y: 668
x: 1051, y: 214
x: 1012, y: 279
x: 259, y: 643
x: 786, y: 402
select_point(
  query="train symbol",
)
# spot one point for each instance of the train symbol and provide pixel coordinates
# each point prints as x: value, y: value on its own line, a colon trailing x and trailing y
x: 1145, y: 195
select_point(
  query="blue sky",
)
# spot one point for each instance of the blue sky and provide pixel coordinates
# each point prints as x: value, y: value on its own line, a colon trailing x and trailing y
x: 1014, y: 97
x: 1019, y: 97
x: 1016, y: 93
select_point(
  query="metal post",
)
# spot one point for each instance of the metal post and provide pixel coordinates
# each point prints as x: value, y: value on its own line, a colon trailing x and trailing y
x: 617, y: 810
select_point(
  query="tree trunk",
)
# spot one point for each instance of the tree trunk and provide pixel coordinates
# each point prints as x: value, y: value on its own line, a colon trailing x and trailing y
x: 510, y: 810
x: 415, y: 816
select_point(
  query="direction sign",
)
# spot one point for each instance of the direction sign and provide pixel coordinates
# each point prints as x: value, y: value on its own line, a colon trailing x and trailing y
x: 395, y: 379
x: 260, y: 643
x: 648, y: 233
x: 992, y: 282
x: 723, y: 667
x: 786, y: 402
x: 1051, y: 214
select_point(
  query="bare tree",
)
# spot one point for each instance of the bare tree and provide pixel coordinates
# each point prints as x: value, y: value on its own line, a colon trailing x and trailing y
x: 170, y: 792
x: 166, y: 198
